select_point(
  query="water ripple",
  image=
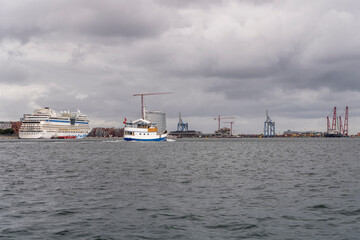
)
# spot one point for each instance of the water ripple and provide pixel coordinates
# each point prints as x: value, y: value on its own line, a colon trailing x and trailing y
x: 188, y: 189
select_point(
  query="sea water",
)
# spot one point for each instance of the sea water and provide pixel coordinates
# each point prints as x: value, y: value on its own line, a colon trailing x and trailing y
x: 187, y: 189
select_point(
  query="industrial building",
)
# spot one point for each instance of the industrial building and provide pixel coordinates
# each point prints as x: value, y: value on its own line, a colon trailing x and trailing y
x: 157, y: 117
x: 183, y: 130
x: 14, y: 126
x: 223, y: 132
x: 106, y: 132
x: 5, y: 125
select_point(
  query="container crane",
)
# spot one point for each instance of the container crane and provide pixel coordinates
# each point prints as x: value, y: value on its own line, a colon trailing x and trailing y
x: 269, y: 126
x: 181, y: 126
x: 142, y: 100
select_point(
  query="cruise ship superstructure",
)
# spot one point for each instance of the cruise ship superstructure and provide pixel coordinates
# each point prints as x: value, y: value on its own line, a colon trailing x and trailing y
x: 46, y: 123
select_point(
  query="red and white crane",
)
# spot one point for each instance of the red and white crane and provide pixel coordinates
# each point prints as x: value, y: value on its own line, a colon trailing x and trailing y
x: 219, y: 119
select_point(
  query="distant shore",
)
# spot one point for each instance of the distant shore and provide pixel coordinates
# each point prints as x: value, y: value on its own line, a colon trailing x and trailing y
x: 8, y: 137
x: 13, y: 137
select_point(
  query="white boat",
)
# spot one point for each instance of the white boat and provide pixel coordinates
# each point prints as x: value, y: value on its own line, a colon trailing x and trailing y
x: 46, y: 123
x: 142, y: 130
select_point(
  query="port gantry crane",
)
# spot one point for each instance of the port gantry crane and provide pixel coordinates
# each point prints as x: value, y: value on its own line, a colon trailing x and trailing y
x: 142, y: 100
x: 219, y: 119
x: 269, y: 126
x: 181, y: 126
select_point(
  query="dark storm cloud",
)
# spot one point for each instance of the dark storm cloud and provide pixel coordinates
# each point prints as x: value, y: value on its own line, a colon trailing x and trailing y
x: 129, y: 19
x: 190, y: 4
x: 340, y: 80
x: 206, y: 3
x: 106, y: 19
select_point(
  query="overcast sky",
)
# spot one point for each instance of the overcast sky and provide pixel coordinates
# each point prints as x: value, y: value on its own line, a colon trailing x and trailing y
x: 298, y: 59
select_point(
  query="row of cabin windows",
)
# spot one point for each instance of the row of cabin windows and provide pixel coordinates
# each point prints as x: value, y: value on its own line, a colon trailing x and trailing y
x: 132, y: 133
x: 137, y: 125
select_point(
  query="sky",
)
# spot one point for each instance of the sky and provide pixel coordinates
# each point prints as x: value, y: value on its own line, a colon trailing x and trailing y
x: 296, y: 59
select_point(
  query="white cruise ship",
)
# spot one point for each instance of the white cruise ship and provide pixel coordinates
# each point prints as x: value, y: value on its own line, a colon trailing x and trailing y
x: 46, y: 123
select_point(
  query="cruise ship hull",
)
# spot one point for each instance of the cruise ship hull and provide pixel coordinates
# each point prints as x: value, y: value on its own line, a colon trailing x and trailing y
x: 31, y: 135
x: 47, y: 135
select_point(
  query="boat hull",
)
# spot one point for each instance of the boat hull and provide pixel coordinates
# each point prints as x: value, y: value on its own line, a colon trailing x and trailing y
x: 49, y: 135
x: 145, y: 140
x: 31, y: 135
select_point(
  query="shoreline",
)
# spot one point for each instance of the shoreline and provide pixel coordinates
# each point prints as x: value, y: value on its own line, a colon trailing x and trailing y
x: 8, y: 137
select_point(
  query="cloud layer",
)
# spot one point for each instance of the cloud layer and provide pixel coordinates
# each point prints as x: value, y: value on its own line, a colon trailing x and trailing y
x: 234, y: 58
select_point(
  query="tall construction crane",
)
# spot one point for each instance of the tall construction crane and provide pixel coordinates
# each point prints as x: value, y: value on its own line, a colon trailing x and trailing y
x: 231, y: 124
x: 219, y: 119
x: 142, y: 100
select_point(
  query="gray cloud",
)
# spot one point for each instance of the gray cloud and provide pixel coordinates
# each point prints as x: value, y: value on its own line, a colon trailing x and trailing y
x: 106, y: 19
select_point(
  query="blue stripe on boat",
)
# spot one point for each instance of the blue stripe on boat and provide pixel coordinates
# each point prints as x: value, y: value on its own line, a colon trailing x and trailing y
x: 64, y: 121
x: 58, y: 121
x: 146, y: 140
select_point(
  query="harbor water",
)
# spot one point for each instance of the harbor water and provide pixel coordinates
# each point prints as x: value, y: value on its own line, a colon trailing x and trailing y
x: 187, y: 189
